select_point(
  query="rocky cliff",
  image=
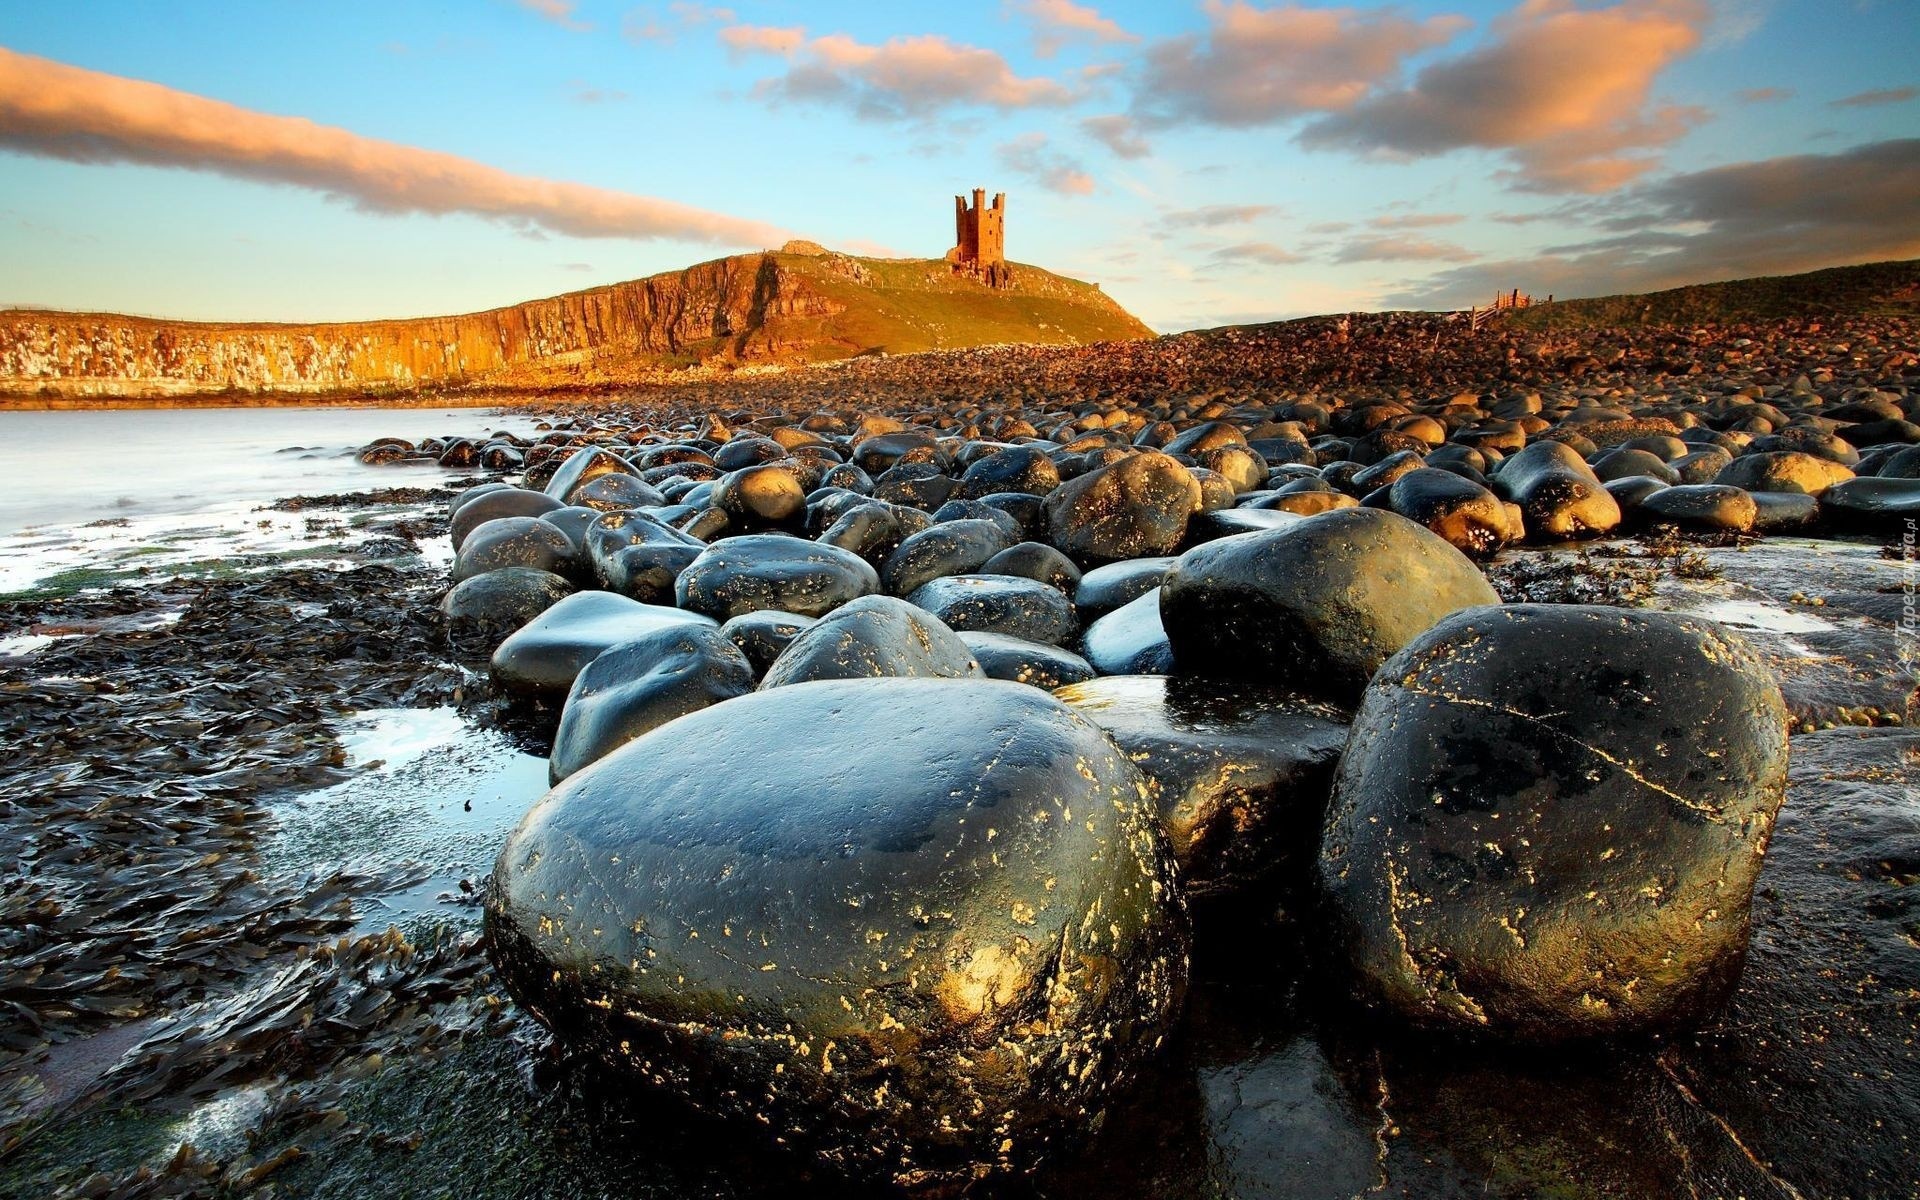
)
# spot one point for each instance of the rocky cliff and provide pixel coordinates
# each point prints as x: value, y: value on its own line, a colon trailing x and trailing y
x: 773, y: 308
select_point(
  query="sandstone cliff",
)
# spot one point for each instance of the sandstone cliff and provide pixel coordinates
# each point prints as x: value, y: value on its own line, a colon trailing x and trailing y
x: 772, y: 308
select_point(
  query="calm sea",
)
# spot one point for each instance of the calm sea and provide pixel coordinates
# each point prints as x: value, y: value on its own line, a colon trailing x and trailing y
x: 69, y: 468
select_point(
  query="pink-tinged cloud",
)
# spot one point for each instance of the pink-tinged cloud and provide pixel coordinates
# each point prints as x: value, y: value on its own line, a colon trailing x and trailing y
x: 902, y: 78
x: 1117, y: 132
x: 1255, y: 253
x: 1389, y: 247
x: 1416, y: 220
x: 1058, y: 22
x: 1214, y: 216
x: 1764, y: 95
x: 1256, y: 66
x: 1562, y: 88
x: 1031, y: 157
x: 1774, y: 216
x: 1878, y: 96
x: 59, y: 111
x: 560, y: 12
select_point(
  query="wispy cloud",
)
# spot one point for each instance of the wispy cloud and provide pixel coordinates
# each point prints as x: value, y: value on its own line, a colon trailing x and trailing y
x: 1563, y: 88
x: 1255, y: 253
x: 1213, y: 216
x: 1058, y: 22
x: 1389, y: 247
x: 54, y: 110
x: 560, y: 12
x: 1117, y: 132
x: 1878, y: 96
x: 1767, y: 217
x: 1764, y: 95
x: 1030, y: 156
x: 910, y: 77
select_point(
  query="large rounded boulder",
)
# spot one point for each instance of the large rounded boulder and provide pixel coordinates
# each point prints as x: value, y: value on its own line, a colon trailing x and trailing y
x: 1549, y: 819
x: 874, y: 637
x: 1316, y: 606
x: 1136, y: 507
x: 771, y: 570
x: 640, y: 685
x: 920, y: 928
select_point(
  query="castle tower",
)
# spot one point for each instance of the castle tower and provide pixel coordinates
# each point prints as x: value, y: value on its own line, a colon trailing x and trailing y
x: 980, y: 238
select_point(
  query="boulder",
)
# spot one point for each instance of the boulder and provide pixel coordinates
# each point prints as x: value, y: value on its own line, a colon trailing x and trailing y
x: 1018, y: 660
x: 1008, y: 604
x: 771, y: 570
x: 542, y: 659
x: 1134, y: 508
x: 1130, y: 640
x: 871, y: 638
x: 1549, y: 819
x: 640, y: 685
x: 481, y: 611
x: 1558, y: 494
x: 1317, y: 606
x: 925, y: 929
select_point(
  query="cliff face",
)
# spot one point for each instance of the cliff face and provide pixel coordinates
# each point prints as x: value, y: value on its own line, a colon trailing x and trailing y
x: 753, y: 308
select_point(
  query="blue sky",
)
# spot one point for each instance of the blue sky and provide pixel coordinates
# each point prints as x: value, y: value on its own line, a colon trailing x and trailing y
x: 1207, y: 163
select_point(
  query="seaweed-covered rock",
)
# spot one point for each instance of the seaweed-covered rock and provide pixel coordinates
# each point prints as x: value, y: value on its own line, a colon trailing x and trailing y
x: 1549, y: 820
x: 923, y: 928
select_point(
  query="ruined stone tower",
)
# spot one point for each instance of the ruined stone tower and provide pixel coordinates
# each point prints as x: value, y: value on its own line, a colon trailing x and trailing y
x: 980, y: 239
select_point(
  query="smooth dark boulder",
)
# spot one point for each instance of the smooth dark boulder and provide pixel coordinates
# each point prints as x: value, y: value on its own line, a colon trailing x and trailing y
x: 1008, y: 604
x: 584, y: 466
x: 1241, y: 772
x: 1872, y: 504
x: 515, y: 542
x: 1036, y: 560
x: 639, y: 686
x: 926, y: 939
x: 1317, y: 606
x: 1549, y: 819
x: 873, y: 637
x: 543, y: 658
x: 1019, y: 469
x: 481, y: 611
x: 763, y: 634
x: 1710, y: 507
x: 952, y: 548
x: 1134, y: 508
x: 1018, y: 660
x: 1558, y: 494
x: 1469, y: 517
x: 1104, y: 589
x: 616, y: 492
x: 760, y: 496
x: 1783, y: 471
x: 1130, y: 640
x: 495, y: 503
x: 770, y: 570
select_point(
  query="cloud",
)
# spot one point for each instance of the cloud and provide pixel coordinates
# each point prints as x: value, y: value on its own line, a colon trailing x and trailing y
x: 1564, y: 89
x: 1029, y: 155
x: 1058, y: 22
x: 1769, y: 217
x: 586, y: 94
x: 646, y: 25
x: 1262, y: 253
x: 1765, y: 95
x: 1386, y: 247
x: 1215, y: 215
x: 1898, y: 95
x: 1118, y: 133
x: 1415, y: 220
x: 54, y: 110
x: 909, y: 77
x: 560, y: 12
x: 1255, y: 66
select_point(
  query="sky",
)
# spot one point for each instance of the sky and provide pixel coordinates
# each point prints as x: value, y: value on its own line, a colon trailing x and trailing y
x: 1207, y: 163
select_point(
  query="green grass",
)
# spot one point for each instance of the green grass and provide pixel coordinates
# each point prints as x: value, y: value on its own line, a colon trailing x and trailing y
x: 1875, y: 289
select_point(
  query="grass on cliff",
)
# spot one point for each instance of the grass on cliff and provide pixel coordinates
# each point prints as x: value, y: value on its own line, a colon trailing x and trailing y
x: 1873, y: 289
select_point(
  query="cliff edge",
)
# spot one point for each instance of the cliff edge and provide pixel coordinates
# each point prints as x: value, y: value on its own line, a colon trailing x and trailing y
x: 776, y: 308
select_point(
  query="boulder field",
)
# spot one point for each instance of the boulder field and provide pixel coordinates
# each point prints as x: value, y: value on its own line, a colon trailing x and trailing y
x: 898, y: 763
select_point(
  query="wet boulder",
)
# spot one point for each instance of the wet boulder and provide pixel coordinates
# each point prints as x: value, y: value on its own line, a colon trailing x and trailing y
x: 873, y: 637
x: 771, y: 570
x: 1136, y: 507
x: 1008, y: 604
x: 760, y: 496
x: 515, y: 542
x: 582, y: 467
x: 543, y: 658
x: 1130, y: 640
x: 1707, y: 507
x: 951, y: 548
x: 616, y: 492
x: 1549, y: 819
x: 481, y: 611
x: 1018, y: 660
x: 640, y: 685
x: 1104, y: 589
x: 493, y: 504
x: 1035, y: 560
x: 762, y: 634
x: 1471, y: 519
x: 1018, y: 469
x: 925, y: 929
x: 1783, y: 471
x: 1558, y: 494
x: 1316, y: 606
x: 1872, y: 504
x: 1241, y: 772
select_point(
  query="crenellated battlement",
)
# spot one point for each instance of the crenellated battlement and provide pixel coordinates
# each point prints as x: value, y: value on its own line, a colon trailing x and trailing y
x: 980, y: 238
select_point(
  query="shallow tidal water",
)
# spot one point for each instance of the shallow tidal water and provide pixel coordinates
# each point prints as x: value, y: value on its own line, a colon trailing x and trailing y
x: 1275, y: 1086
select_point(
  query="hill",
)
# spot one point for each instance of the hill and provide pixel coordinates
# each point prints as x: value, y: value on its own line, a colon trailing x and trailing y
x: 1872, y: 289
x: 773, y: 308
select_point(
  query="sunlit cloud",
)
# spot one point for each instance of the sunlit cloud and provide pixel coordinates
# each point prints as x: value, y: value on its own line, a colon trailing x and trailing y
x: 559, y: 12
x: 54, y: 110
x: 1030, y: 157
x: 1118, y: 133
x: 1059, y: 22
x: 907, y: 77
